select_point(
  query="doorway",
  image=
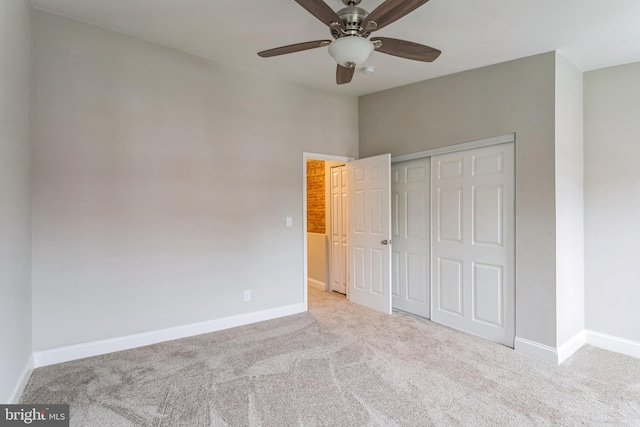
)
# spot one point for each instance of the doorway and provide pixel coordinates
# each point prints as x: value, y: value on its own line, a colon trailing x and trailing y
x: 316, y: 245
x: 369, y: 230
x: 327, y: 225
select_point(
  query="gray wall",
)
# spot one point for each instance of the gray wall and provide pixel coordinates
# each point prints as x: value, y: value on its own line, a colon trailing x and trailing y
x: 15, y: 216
x: 612, y: 200
x: 516, y: 96
x: 569, y: 200
x: 161, y: 183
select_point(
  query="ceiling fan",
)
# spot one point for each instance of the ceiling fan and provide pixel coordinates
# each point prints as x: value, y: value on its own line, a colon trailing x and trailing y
x: 351, y: 27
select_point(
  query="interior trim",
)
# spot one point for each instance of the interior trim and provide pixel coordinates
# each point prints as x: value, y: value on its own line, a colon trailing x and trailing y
x: 572, y: 345
x: 96, y: 348
x: 615, y: 344
x: 535, y: 349
x: 502, y: 139
x: 25, y: 375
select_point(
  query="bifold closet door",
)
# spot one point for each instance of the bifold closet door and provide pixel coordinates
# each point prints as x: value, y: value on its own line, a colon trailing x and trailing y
x: 473, y: 241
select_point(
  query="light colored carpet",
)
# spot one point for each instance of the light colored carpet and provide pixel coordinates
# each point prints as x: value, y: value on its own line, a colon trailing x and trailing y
x: 341, y: 365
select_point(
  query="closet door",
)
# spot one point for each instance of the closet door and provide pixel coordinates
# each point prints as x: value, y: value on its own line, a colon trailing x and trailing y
x: 473, y: 240
x: 410, y: 188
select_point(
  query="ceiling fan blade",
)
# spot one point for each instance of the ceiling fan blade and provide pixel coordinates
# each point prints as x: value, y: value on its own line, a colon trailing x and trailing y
x: 344, y: 74
x: 321, y: 10
x: 389, y: 12
x: 405, y: 49
x: 298, y: 47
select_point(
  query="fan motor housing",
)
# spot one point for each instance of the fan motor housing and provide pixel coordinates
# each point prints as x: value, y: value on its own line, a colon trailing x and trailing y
x: 352, y: 17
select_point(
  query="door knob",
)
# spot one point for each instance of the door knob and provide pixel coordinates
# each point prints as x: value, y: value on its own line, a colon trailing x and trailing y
x: 385, y: 242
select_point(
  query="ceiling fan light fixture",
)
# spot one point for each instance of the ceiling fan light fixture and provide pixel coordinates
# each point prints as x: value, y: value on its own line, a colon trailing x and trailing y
x: 350, y: 51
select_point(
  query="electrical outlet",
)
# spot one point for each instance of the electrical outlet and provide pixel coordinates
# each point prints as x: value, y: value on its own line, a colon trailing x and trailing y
x: 247, y: 295
x: 289, y: 221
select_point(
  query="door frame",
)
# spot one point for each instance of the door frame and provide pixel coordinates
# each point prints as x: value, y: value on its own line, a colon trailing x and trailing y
x: 311, y: 156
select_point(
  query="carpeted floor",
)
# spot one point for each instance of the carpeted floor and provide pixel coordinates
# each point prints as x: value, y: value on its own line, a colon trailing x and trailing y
x: 341, y: 365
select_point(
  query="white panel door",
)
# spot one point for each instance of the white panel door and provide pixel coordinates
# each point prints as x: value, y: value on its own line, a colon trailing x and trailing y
x: 410, y: 223
x: 473, y: 211
x: 369, y: 235
x: 339, y: 229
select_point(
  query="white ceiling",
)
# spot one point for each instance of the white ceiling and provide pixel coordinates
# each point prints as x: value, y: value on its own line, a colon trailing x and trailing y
x: 471, y: 33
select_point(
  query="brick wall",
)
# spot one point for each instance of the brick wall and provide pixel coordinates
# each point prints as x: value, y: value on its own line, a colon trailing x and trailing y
x: 315, y: 196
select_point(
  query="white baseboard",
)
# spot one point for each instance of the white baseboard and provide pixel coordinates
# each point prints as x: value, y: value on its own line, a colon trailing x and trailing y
x: 22, y: 382
x: 566, y: 350
x: 535, y: 349
x: 611, y: 343
x: 572, y: 345
x: 316, y: 284
x: 95, y: 348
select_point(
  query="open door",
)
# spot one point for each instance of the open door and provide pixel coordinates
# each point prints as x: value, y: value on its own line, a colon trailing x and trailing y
x: 369, y: 237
